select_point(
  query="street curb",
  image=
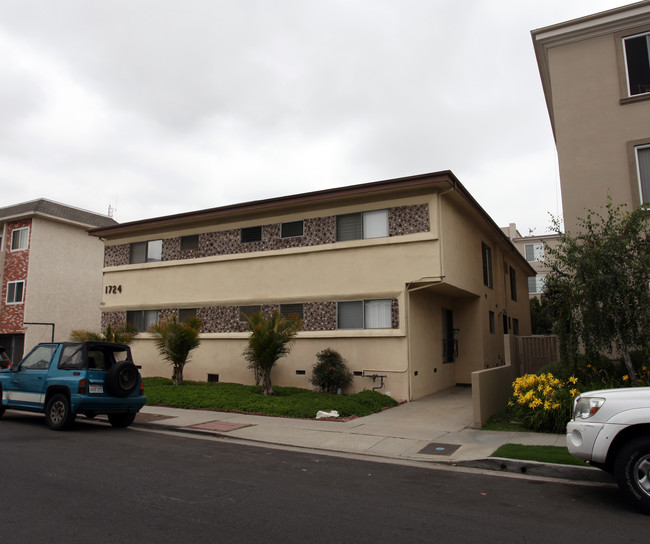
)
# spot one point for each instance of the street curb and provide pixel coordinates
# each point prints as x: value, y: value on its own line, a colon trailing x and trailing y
x: 547, y: 470
x: 496, y: 464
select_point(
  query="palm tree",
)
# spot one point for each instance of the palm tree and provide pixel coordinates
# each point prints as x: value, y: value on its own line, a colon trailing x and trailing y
x: 175, y: 340
x: 122, y: 334
x: 271, y: 338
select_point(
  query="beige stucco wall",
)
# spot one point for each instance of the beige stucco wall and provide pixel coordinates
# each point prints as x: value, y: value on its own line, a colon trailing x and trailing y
x: 64, y: 282
x: 424, y: 272
x: 593, y: 128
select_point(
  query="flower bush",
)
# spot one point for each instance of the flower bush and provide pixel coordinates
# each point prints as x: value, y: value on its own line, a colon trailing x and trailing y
x: 543, y: 402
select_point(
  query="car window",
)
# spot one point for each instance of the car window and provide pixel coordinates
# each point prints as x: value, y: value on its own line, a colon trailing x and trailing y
x: 72, y: 357
x: 97, y: 360
x: 39, y: 358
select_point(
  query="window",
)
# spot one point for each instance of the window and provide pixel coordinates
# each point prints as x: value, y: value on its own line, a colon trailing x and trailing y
x: 358, y: 226
x: 186, y: 313
x: 536, y: 284
x: 251, y: 234
x: 365, y: 314
x: 486, y: 252
x: 247, y: 311
x: 515, y: 326
x: 534, y: 252
x: 292, y: 229
x: 643, y: 172
x: 20, y: 239
x: 142, y: 319
x: 637, y: 63
x: 15, y: 292
x: 39, y: 358
x: 189, y: 242
x: 493, y: 328
x: 513, y: 284
x: 146, y: 252
x: 288, y: 310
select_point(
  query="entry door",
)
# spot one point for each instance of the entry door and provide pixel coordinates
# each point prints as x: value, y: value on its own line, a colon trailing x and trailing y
x: 448, y: 340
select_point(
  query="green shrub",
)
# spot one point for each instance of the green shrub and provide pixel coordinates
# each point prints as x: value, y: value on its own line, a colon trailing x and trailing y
x: 331, y: 372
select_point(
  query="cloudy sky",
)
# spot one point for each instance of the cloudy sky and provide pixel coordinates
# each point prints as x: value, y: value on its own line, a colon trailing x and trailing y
x: 155, y: 107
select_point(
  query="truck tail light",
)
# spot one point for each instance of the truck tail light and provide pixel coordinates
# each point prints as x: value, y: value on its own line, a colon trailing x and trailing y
x: 141, y: 392
x: 82, y: 387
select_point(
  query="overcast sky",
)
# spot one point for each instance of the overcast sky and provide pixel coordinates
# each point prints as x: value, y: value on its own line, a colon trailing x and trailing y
x: 156, y: 107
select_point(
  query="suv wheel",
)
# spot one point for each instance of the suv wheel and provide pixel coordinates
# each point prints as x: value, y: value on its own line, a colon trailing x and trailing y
x: 122, y: 379
x: 120, y: 421
x: 632, y: 471
x: 57, y: 412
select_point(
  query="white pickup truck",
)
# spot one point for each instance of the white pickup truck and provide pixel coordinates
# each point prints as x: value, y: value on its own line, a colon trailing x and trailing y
x: 611, y: 429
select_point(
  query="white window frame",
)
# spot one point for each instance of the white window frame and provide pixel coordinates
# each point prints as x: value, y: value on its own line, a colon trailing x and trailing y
x: 149, y: 318
x: 536, y: 251
x: 152, y: 252
x: 643, y: 172
x: 366, y: 307
x: 627, y: 71
x: 23, y: 239
x: 372, y: 224
x: 538, y: 283
x: 12, y: 299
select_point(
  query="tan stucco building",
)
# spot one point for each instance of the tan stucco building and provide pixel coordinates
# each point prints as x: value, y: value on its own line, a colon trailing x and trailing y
x: 533, y: 248
x: 50, y: 273
x: 409, y: 279
x: 595, y: 73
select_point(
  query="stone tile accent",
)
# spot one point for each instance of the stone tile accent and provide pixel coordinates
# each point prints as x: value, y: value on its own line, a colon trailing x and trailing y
x: 318, y: 316
x: 317, y: 231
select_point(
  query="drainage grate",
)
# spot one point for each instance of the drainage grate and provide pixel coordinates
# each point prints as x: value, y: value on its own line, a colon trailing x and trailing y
x: 439, y: 449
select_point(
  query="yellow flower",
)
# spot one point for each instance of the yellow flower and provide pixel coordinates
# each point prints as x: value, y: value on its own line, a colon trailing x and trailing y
x: 626, y: 378
x: 574, y: 392
x: 535, y: 403
x: 573, y: 380
x: 644, y: 368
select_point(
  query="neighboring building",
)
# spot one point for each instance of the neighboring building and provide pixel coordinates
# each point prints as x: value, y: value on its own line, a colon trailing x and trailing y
x: 595, y: 73
x: 409, y: 279
x: 533, y: 249
x: 50, y: 273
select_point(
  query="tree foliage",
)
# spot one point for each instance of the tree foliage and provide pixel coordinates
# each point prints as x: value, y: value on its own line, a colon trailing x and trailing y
x: 331, y: 372
x: 598, y: 286
x: 122, y: 334
x: 175, y: 340
x: 541, y: 320
x: 271, y: 339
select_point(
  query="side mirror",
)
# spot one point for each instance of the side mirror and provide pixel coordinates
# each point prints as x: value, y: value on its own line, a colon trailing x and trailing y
x: 14, y: 368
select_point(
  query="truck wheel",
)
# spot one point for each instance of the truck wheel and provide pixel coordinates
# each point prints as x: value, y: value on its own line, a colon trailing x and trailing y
x: 120, y: 421
x: 632, y: 471
x: 57, y: 412
x: 122, y: 379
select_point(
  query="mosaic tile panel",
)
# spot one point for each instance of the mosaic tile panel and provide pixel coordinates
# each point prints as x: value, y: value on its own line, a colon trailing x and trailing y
x: 317, y: 231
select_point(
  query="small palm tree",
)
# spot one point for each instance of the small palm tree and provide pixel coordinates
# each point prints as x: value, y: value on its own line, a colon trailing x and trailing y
x: 122, y: 334
x: 175, y: 340
x: 271, y: 338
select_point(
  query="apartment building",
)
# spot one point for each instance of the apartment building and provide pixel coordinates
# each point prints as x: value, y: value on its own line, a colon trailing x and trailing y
x: 533, y: 248
x: 409, y: 279
x: 50, y: 273
x: 595, y: 74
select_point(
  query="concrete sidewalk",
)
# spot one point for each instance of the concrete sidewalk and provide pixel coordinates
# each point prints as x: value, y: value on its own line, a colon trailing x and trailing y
x: 433, y: 429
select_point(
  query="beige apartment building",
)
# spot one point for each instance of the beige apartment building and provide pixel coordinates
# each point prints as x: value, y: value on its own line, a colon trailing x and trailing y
x: 595, y: 73
x: 533, y: 248
x: 50, y: 273
x: 409, y: 279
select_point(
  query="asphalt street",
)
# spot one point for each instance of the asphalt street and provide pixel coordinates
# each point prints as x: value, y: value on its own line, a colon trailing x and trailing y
x: 98, y: 484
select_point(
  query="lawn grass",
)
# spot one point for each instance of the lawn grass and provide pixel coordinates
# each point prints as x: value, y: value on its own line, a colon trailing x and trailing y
x: 504, y: 420
x: 287, y: 401
x: 543, y: 454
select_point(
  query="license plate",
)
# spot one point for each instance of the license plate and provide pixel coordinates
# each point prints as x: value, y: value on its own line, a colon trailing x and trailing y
x: 96, y: 388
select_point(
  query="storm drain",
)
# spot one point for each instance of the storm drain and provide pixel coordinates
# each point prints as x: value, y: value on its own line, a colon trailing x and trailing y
x: 439, y: 449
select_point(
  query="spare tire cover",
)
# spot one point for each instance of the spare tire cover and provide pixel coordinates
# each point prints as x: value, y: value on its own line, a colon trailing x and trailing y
x: 122, y: 379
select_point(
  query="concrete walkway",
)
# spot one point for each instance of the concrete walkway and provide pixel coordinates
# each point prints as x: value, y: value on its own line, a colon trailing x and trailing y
x: 433, y: 429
